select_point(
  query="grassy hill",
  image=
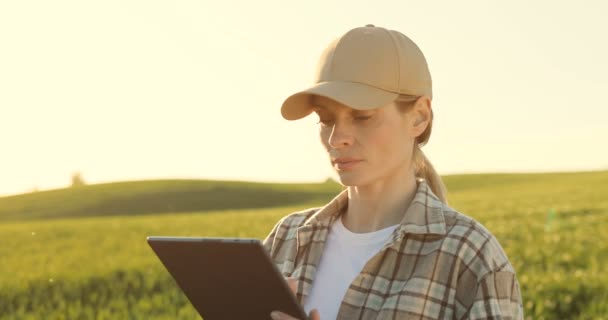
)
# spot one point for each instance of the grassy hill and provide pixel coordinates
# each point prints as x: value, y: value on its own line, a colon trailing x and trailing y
x: 174, y: 196
x: 552, y: 226
x: 158, y: 196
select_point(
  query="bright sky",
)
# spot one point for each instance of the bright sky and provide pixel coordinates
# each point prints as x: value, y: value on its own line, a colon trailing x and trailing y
x: 126, y: 89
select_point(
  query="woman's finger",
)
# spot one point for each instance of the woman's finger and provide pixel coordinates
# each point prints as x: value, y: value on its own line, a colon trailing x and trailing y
x: 278, y: 315
x: 293, y: 284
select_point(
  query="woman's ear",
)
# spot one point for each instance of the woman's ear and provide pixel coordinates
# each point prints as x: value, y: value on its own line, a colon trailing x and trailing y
x: 420, y: 115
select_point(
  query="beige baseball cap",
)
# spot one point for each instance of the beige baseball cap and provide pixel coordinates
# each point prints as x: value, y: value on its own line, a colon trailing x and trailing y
x: 366, y: 68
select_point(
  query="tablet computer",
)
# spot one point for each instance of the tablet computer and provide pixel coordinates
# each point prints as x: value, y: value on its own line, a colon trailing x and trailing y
x: 227, y: 278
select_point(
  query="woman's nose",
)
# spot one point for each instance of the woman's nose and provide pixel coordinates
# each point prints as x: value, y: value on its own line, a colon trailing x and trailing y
x: 340, y: 136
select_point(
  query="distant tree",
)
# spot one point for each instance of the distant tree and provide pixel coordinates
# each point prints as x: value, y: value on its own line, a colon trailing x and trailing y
x: 77, y: 180
x: 330, y: 180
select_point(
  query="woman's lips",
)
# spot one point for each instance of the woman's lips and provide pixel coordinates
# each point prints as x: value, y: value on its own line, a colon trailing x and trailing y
x: 346, y: 164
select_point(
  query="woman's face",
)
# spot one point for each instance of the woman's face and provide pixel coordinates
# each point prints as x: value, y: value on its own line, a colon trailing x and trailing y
x: 367, y: 146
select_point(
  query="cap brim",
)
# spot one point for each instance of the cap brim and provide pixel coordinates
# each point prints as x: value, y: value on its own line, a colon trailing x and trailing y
x: 355, y: 95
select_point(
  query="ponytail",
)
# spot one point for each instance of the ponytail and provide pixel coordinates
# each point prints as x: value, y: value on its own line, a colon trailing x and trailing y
x: 422, y: 166
x: 425, y: 170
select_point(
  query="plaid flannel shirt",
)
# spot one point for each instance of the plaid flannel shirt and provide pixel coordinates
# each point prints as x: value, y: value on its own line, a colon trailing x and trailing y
x: 438, y: 264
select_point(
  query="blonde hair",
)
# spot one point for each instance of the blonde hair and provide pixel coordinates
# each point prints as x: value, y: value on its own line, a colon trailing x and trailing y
x: 422, y: 166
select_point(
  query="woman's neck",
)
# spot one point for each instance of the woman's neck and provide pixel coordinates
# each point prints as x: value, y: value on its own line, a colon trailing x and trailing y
x: 379, y: 205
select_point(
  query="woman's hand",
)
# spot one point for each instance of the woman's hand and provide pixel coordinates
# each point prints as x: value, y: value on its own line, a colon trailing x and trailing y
x: 278, y: 315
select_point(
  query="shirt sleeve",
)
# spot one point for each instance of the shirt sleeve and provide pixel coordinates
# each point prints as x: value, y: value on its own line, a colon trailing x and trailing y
x: 496, y: 296
x: 269, y: 240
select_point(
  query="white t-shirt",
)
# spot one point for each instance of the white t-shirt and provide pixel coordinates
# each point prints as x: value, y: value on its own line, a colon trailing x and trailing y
x: 344, y: 256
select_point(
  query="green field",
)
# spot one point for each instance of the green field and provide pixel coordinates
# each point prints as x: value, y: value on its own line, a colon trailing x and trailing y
x: 158, y: 196
x: 81, y: 254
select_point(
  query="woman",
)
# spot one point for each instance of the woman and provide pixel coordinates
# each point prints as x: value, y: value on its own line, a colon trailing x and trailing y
x: 388, y: 246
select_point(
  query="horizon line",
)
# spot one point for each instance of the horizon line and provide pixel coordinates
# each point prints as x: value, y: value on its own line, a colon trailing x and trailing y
x: 296, y: 182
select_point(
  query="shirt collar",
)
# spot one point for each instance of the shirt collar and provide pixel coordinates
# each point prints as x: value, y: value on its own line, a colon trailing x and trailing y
x: 423, y: 216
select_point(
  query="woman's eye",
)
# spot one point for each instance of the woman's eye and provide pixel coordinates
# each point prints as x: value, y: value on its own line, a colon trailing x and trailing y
x: 362, y: 118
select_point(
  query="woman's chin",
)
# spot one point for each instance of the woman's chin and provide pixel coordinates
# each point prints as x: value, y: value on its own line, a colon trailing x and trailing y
x: 350, y: 179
